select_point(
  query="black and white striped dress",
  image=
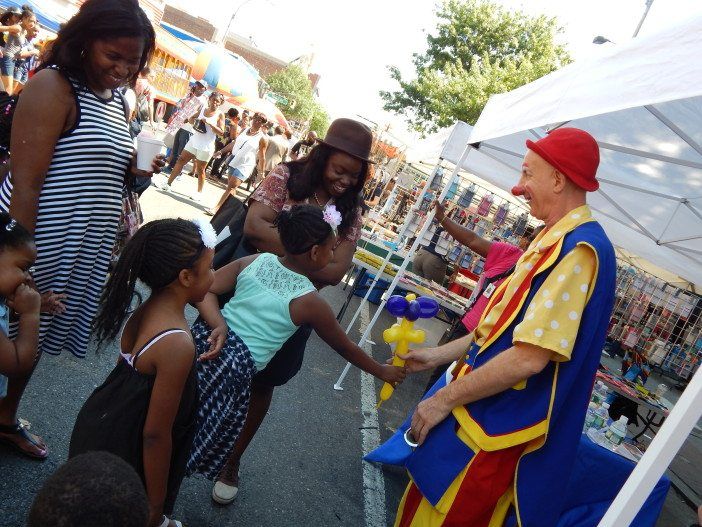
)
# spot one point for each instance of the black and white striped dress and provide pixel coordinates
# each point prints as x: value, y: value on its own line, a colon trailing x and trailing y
x: 79, y: 209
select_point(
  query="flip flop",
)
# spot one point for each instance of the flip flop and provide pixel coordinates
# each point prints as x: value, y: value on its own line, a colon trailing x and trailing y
x: 21, y: 430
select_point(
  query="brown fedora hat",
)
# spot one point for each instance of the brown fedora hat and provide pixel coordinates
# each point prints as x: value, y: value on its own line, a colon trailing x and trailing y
x: 351, y: 137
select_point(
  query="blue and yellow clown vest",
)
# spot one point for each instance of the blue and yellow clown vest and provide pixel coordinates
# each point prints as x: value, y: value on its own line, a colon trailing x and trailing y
x: 545, y: 413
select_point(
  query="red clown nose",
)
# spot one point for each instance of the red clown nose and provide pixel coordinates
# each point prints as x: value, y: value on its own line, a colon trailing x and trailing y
x: 517, y: 190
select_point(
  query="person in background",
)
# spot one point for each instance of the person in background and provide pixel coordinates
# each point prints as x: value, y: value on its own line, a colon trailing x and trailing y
x: 244, y: 122
x: 72, y: 156
x: 207, y: 125
x: 289, y: 139
x: 275, y: 152
x: 244, y: 150
x: 13, y: 43
x: 301, y: 148
x: 179, y: 123
x: 26, y: 59
x: 427, y: 262
x: 145, y: 411
x: 500, y: 261
x: 144, y: 97
x: 93, y: 489
x: 333, y: 173
x: 230, y: 133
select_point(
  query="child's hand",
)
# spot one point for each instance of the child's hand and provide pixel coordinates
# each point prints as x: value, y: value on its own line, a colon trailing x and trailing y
x: 216, y: 339
x: 25, y: 300
x: 51, y: 303
x: 393, y: 374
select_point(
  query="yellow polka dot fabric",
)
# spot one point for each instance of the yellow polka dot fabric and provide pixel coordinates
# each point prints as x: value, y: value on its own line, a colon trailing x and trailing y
x: 553, y: 317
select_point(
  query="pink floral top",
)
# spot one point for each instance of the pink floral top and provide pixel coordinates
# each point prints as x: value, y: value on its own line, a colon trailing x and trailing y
x: 273, y: 192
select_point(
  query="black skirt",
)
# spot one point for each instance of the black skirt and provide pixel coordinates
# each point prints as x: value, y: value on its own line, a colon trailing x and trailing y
x: 113, y: 418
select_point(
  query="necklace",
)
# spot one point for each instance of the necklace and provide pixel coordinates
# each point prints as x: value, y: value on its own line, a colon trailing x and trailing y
x: 317, y: 200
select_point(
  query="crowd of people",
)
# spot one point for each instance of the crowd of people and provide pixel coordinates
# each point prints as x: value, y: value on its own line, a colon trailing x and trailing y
x: 179, y: 397
x: 498, y: 427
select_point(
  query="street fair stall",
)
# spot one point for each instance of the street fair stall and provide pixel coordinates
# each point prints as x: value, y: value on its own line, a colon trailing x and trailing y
x: 648, y: 202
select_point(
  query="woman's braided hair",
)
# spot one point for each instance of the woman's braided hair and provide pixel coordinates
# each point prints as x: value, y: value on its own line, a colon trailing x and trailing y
x: 156, y: 255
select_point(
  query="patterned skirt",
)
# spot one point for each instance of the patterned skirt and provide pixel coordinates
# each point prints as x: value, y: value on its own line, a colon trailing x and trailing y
x: 225, y: 389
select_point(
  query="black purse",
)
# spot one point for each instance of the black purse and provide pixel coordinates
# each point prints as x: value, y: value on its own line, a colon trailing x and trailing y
x: 228, y: 223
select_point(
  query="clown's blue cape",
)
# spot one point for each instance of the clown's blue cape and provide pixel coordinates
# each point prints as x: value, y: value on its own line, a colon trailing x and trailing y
x: 545, y: 415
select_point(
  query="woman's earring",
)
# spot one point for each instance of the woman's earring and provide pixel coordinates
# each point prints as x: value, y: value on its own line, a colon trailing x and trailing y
x: 82, y: 54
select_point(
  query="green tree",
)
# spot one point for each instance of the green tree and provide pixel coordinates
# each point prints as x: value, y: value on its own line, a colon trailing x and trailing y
x: 293, y: 84
x: 478, y: 49
x: 319, y: 121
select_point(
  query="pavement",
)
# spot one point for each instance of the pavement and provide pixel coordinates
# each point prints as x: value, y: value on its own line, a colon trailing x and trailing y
x: 303, y: 468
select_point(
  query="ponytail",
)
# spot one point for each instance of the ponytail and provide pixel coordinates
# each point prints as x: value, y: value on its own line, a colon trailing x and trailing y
x: 301, y: 228
x: 156, y: 255
x: 12, y: 233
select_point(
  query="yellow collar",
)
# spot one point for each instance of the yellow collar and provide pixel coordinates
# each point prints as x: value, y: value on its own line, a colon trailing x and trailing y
x: 548, y: 237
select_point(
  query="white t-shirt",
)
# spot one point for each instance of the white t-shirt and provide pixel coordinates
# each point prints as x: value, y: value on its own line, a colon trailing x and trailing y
x: 204, y: 141
x: 244, y: 151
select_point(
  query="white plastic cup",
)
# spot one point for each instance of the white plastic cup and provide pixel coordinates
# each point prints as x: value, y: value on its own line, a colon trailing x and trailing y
x: 148, y: 147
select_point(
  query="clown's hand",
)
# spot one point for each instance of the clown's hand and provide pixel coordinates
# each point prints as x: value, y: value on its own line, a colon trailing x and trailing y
x: 429, y: 413
x: 419, y: 360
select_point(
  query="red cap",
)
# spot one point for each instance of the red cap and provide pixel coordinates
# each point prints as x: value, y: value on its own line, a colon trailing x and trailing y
x: 573, y: 152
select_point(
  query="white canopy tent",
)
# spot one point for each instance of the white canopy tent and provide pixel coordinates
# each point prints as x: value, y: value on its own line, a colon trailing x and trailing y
x: 642, y: 101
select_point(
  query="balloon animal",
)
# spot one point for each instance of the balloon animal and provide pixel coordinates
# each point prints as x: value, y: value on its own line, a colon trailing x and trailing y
x: 409, y: 308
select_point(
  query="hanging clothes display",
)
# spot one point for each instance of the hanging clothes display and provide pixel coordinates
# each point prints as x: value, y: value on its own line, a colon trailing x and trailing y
x: 467, y: 197
x: 485, y: 204
x: 501, y: 214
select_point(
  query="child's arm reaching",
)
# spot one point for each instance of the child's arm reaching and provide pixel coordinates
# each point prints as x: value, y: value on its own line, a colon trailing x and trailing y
x: 18, y: 356
x: 312, y: 309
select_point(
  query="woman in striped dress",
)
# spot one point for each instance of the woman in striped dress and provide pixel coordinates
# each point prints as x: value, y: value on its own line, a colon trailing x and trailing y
x: 71, y: 154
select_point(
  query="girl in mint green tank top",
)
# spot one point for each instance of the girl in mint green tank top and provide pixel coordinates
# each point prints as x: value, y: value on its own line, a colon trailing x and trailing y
x: 273, y: 297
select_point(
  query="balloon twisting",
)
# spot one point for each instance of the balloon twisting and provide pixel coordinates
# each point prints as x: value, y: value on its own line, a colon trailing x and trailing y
x: 409, y: 308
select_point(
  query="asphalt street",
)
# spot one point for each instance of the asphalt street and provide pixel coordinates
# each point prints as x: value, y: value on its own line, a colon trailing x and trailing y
x: 303, y: 468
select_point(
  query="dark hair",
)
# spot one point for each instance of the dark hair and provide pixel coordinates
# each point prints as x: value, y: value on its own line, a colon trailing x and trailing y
x: 306, y: 175
x: 156, y: 254
x: 27, y: 12
x: 99, y: 20
x: 232, y: 113
x: 8, y: 103
x: 145, y: 71
x: 301, y: 228
x: 71, y: 496
x: 279, y: 129
x: 12, y: 234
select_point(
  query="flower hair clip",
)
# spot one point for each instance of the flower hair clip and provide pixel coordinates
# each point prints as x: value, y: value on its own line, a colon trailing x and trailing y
x: 207, y: 233
x: 332, y: 216
x: 11, y: 225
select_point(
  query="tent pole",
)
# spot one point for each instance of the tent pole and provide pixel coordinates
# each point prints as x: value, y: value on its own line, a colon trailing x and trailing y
x: 649, y: 3
x: 412, y: 212
x: 658, y: 456
x: 410, y: 253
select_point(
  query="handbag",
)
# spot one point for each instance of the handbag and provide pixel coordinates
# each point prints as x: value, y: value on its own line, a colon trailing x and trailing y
x: 130, y: 220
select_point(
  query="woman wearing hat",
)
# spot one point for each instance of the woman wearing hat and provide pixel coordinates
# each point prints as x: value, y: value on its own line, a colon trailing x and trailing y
x: 334, y: 172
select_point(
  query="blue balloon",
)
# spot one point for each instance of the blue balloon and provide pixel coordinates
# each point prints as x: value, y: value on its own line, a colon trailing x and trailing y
x: 397, y: 305
x: 428, y: 307
x: 413, y: 311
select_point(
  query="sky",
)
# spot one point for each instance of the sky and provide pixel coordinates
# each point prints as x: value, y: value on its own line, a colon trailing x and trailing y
x: 354, y: 41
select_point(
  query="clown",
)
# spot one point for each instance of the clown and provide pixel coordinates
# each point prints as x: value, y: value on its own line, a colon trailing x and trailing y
x: 498, y: 433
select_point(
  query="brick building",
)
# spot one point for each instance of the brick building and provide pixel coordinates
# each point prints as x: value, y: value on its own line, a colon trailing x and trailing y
x: 194, y: 25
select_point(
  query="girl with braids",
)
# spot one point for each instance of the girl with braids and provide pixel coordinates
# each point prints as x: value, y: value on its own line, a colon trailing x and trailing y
x: 72, y: 156
x: 145, y: 410
x: 274, y: 296
x: 332, y: 173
